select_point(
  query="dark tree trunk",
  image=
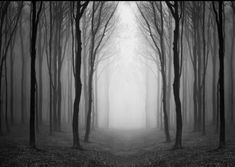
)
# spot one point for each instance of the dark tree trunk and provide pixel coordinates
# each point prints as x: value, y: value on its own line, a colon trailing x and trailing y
x: 85, y: 69
x: 50, y: 69
x: 60, y: 63
x: 221, y: 74
x: 34, y: 22
x: 220, y: 30
x: 3, y: 15
x: 176, y: 84
x: 78, y: 84
x: 231, y: 73
x: 176, y: 87
x: 169, y: 71
x: 204, y: 74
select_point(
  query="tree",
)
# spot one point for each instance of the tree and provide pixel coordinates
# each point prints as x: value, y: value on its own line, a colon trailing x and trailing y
x: 80, y: 8
x: 101, y: 15
x: 174, y: 9
x: 10, y: 15
x: 4, y: 7
x: 35, y: 15
x: 231, y: 64
x: 218, y: 11
x: 22, y: 71
x: 156, y: 9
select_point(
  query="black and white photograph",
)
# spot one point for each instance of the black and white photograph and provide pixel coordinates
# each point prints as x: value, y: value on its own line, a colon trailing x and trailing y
x: 117, y: 84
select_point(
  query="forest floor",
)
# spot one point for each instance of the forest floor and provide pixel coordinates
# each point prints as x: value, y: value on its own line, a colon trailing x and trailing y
x: 115, y: 148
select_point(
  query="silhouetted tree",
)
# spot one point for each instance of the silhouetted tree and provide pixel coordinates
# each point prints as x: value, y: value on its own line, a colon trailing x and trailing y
x: 80, y: 8
x: 23, y: 69
x: 174, y: 9
x: 101, y: 14
x: 231, y: 64
x: 10, y: 14
x: 218, y: 8
x: 156, y: 10
x: 35, y: 15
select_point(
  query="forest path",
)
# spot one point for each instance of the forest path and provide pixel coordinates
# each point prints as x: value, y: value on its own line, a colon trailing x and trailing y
x: 126, y: 142
x: 115, y: 148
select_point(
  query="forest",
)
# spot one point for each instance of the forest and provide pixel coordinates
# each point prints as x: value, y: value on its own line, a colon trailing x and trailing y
x: 117, y: 83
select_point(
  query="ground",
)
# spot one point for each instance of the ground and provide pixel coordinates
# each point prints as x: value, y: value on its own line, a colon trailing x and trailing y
x: 115, y: 148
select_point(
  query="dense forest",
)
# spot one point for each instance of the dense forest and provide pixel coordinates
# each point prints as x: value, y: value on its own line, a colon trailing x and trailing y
x: 109, y: 83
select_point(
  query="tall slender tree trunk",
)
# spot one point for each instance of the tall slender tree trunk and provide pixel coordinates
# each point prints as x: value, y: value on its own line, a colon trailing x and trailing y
x: 1, y: 131
x: 204, y: 74
x: 169, y: 71
x: 55, y: 76
x: 220, y: 29
x: 176, y: 84
x: 78, y: 84
x: 69, y: 92
x: 85, y: 68
x: 12, y: 88
x: 34, y: 22
x: 199, y: 97
x: 59, y: 98
x: 40, y: 59
x: 231, y: 74
x: 22, y: 74
x: 59, y: 68
x: 50, y: 69
x: 166, y: 127
x: 88, y: 122
x: 96, y: 100
x: 185, y: 101
x: 164, y: 79
x: 214, y: 83
x: 221, y: 75
x: 3, y: 15
x: 36, y: 108
x: 6, y: 101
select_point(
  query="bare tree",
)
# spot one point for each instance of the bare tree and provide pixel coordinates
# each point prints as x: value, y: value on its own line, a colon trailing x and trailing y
x: 174, y: 9
x: 153, y: 15
x: 218, y: 8
x: 10, y: 14
x: 101, y: 15
x: 35, y: 15
x: 80, y: 8
x: 23, y: 57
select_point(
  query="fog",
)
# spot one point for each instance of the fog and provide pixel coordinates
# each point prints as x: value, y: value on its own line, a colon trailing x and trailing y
x: 118, y: 77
